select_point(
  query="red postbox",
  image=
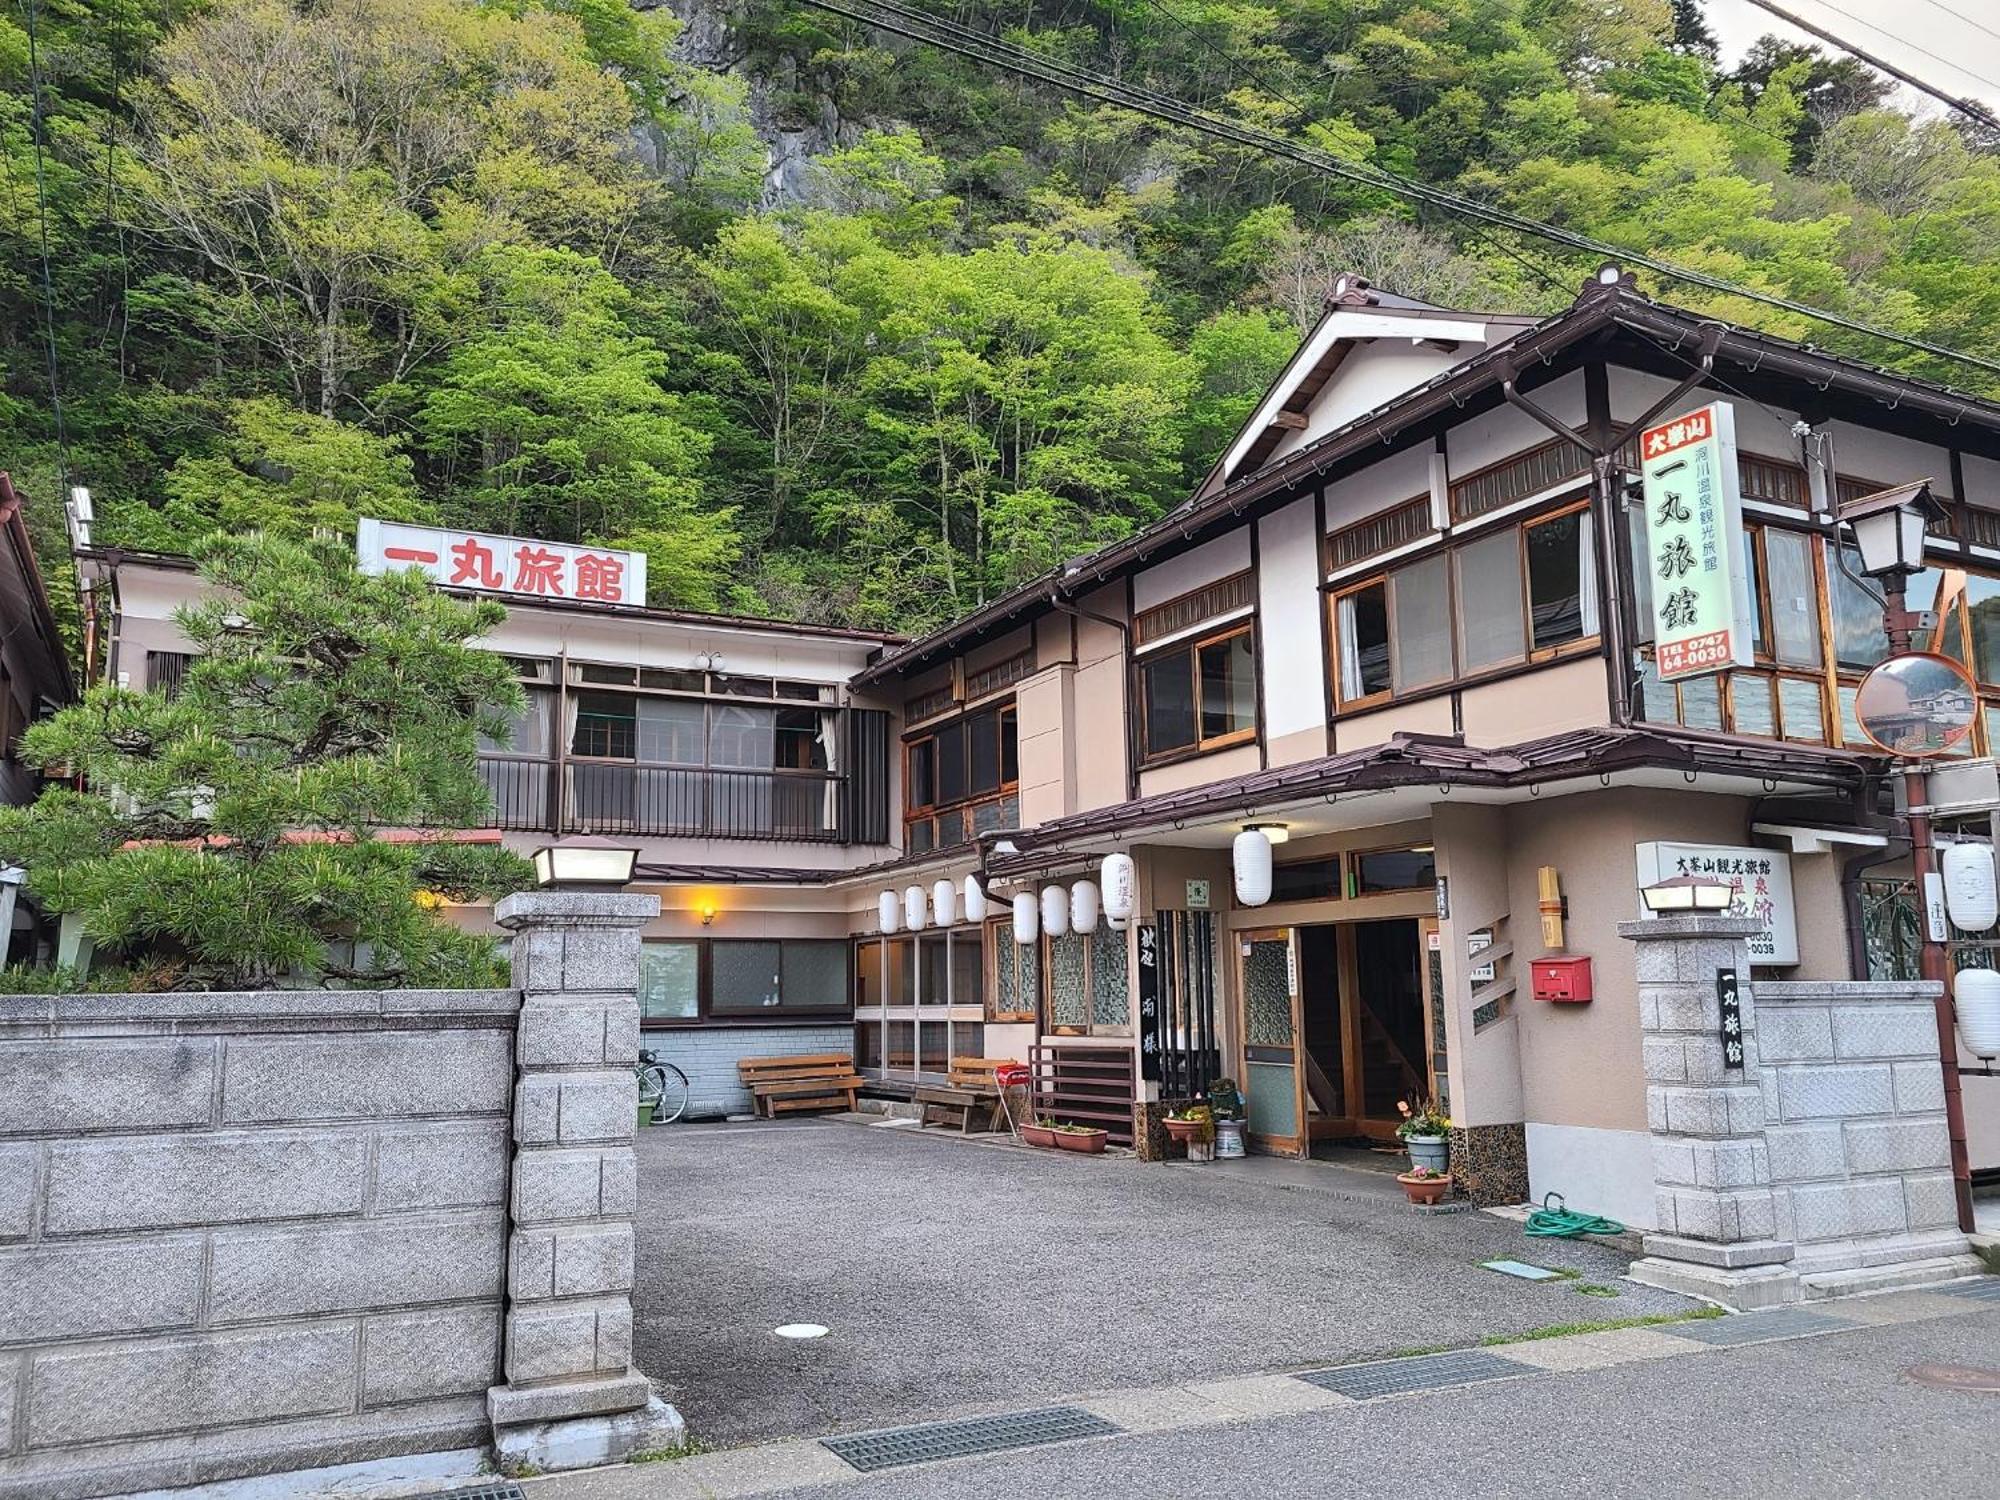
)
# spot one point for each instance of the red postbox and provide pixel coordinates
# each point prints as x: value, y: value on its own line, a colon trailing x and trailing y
x: 1564, y: 979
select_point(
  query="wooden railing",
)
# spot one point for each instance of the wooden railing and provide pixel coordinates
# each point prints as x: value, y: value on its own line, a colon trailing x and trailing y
x: 1085, y: 1086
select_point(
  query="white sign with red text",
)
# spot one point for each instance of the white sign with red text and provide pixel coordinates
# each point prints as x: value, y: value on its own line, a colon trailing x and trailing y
x: 504, y: 564
x: 1694, y: 544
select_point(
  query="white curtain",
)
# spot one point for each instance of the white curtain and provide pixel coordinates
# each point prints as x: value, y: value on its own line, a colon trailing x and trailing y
x: 1586, y: 572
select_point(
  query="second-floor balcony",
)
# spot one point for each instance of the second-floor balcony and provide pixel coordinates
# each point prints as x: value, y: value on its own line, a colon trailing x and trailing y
x: 609, y: 796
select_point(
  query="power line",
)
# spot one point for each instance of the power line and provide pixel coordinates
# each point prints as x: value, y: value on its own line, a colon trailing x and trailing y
x: 919, y: 26
x: 1956, y: 67
x: 1960, y: 15
x: 37, y: 127
x: 1965, y: 107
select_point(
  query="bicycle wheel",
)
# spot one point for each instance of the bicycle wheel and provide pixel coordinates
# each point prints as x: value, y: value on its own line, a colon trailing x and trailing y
x: 673, y: 1093
x: 653, y: 1086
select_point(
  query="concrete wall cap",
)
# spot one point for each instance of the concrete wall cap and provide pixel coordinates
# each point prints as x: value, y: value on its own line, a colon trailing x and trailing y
x: 1823, y: 991
x: 1654, y: 929
x: 575, y: 909
x: 183, y: 1009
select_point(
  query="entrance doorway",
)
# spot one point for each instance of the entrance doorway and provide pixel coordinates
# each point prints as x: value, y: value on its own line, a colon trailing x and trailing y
x: 1336, y: 1017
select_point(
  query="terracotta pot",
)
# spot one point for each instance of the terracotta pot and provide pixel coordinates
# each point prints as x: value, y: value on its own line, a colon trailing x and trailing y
x: 1038, y: 1135
x: 1090, y: 1142
x: 1186, y: 1130
x: 1424, y: 1189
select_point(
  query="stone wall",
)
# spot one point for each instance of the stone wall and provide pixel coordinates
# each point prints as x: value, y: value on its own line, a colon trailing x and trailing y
x: 1854, y: 1123
x: 708, y: 1055
x: 241, y: 1233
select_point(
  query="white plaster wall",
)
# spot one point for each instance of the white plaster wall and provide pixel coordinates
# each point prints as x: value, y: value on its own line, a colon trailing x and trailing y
x: 1227, y: 554
x: 1399, y: 477
x: 1982, y: 481
x: 1507, y: 430
x: 1607, y: 1172
x: 1757, y: 431
x: 1884, y: 456
x: 1293, y: 657
x: 1373, y: 374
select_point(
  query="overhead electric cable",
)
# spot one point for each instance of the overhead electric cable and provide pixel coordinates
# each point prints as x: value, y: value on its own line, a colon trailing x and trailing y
x: 1937, y: 57
x: 1967, y: 107
x: 1959, y: 15
x: 922, y: 27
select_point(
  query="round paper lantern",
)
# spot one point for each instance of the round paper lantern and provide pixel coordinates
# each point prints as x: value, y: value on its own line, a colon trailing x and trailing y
x: 1025, y: 918
x: 885, y: 910
x: 1121, y: 886
x: 913, y: 908
x: 944, y: 903
x: 1969, y: 894
x: 1975, y: 997
x: 975, y: 900
x: 1083, y: 907
x: 1251, y: 855
x: 1055, y: 910
x: 1117, y: 924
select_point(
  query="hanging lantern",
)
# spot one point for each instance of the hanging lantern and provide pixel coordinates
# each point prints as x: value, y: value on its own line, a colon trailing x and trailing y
x: 885, y: 910
x: 1969, y: 894
x: 1120, y: 881
x: 1975, y: 998
x: 1024, y: 918
x: 975, y: 900
x: 1251, y: 855
x: 944, y: 903
x: 1117, y: 924
x: 913, y: 908
x: 1083, y: 907
x: 1055, y: 910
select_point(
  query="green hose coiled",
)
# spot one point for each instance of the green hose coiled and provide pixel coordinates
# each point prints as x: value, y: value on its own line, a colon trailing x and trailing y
x: 1553, y: 1221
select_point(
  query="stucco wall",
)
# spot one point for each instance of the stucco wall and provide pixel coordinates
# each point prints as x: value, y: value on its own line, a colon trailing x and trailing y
x: 709, y: 1054
x: 247, y: 1232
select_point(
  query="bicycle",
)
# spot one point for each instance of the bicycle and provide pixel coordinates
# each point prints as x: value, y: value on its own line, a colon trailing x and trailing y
x: 663, y: 1083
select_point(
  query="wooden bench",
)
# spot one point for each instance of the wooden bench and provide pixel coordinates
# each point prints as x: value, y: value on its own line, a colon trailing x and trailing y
x: 969, y: 1100
x: 818, y: 1080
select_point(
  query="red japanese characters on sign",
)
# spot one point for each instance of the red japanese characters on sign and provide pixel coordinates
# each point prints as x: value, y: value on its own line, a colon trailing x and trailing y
x: 1694, y: 541
x: 504, y: 564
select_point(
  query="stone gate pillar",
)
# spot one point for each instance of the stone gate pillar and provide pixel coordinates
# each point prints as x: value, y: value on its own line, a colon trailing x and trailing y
x: 572, y: 1396
x: 1705, y: 1109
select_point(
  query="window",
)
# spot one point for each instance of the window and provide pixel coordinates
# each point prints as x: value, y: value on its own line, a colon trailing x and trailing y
x: 1792, y: 597
x: 1420, y: 637
x: 918, y: 1001
x: 959, y: 778
x: 669, y: 981
x: 606, y: 725
x: 737, y: 980
x: 1308, y: 880
x: 1016, y: 969
x: 1087, y: 976
x: 1562, y: 591
x: 1394, y: 870
x: 1201, y: 695
x: 1490, y: 629
x: 1859, y: 641
x: 1363, y: 623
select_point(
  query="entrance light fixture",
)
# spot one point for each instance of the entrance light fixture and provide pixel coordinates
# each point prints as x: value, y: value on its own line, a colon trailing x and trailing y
x: 584, y: 861
x: 1682, y: 893
x: 1277, y: 833
x: 1890, y: 528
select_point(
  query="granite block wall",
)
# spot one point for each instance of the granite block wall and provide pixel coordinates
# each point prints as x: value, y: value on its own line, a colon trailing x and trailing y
x: 248, y: 1232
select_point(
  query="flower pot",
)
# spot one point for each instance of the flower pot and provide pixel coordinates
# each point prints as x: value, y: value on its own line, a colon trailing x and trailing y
x: 1424, y: 1189
x: 1228, y: 1138
x: 1038, y: 1135
x: 646, y: 1108
x: 1433, y: 1151
x: 1186, y: 1130
x: 1090, y: 1142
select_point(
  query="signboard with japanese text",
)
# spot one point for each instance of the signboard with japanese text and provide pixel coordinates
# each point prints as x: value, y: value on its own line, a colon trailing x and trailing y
x: 1694, y: 543
x: 504, y: 564
x: 1761, y: 879
x: 1150, y: 1027
x: 1729, y: 1005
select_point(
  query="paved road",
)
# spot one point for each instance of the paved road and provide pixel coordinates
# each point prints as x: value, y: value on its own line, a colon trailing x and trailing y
x: 957, y: 1276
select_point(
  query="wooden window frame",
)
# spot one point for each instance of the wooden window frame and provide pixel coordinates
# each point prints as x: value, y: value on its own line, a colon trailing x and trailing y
x: 1045, y: 999
x: 1343, y: 703
x: 1004, y: 711
x: 1193, y: 646
x: 1000, y: 948
x: 1350, y: 860
x: 1591, y: 640
x: 705, y: 1014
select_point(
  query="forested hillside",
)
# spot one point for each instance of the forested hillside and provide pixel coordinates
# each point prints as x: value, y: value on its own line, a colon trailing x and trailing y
x: 833, y: 325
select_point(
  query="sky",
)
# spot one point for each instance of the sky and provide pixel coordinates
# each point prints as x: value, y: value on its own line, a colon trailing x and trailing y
x: 1938, y: 40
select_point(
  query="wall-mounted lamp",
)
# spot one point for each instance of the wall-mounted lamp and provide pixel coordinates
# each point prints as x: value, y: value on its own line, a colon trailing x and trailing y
x: 706, y: 910
x: 1277, y: 833
x: 584, y: 861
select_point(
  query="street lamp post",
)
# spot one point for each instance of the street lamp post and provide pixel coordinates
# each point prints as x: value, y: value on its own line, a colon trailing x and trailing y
x: 1890, y: 529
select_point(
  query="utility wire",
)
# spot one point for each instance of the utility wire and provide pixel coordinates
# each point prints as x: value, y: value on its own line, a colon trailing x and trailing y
x: 1967, y: 107
x: 37, y: 126
x: 1959, y: 15
x: 1936, y: 57
x: 919, y: 26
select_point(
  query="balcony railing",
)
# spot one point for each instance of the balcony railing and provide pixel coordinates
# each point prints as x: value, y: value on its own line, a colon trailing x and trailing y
x: 605, y: 796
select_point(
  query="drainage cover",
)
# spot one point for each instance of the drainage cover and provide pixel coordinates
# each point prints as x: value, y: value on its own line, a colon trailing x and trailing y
x: 800, y: 1331
x: 931, y: 1441
x: 1424, y: 1372
x: 1980, y: 1289
x: 1955, y: 1377
x: 1519, y: 1268
x: 1756, y: 1327
x: 490, y: 1489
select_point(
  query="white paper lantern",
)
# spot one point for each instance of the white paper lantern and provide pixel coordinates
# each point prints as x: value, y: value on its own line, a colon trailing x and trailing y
x: 1251, y: 855
x: 975, y: 900
x: 1055, y: 910
x: 1024, y: 918
x: 1969, y: 894
x: 913, y: 908
x: 1975, y: 997
x: 1121, y: 886
x: 1083, y: 907
x: 1117, y: 924
x: 944, y: 903
x: 885, y: 910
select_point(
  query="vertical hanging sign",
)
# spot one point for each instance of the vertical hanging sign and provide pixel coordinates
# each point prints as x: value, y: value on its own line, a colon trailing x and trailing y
x: 1694, y: 543
x: 1148, y: 934
x: 1730, y: 1005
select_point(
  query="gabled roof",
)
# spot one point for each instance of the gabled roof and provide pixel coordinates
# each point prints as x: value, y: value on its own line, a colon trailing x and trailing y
x: 1604, y: 308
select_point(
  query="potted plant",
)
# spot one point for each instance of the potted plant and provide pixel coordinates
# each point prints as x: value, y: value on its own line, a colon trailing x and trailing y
x: 1085, y: 1138
x: 1425, y: 1131
x: 1226, y: 1103
x: 1424, y: 1184
x: 1192, y: 1126
x: 1040, y: 1132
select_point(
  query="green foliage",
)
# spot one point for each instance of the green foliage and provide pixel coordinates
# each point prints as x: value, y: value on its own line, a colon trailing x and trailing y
x: 237, y: 829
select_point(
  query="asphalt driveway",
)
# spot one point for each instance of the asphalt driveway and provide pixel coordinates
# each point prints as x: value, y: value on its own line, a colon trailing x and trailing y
x: 956, y: 1276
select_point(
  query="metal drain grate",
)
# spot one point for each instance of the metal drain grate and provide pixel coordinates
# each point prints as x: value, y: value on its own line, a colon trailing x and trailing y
x: 1985, y: 1289
x: 931, y: 1441
x: 1424, y: 1372
x: 1756, y: 1327
x: 486, y: 1489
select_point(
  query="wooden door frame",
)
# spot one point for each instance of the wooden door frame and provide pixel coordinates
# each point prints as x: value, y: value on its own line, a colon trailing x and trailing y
x: 1343, y: 1126
x: 1366, y: 1127
x: 1298, y: 1144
